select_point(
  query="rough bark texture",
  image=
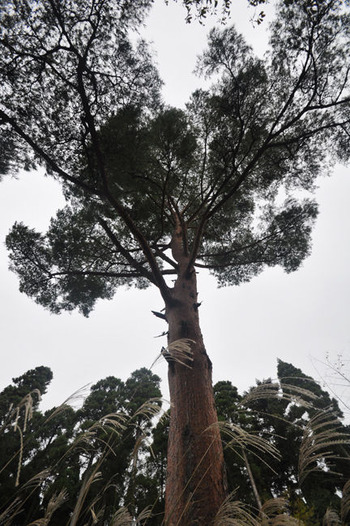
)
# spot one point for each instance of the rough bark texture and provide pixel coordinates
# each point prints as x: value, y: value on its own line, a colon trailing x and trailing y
x: 195, y: 486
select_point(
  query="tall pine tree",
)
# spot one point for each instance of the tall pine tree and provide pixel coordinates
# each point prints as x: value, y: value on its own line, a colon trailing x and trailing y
x: 156, y: 193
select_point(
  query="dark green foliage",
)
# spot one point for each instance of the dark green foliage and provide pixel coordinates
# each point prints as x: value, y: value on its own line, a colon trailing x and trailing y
x: 281, y: 421
x: 112, y: 434
x: 62, y: 38
x: 42, y: 260
x: 156, y: 462
x: 106, y: 397
x: 288, y: 374
x: 112, y: 395
x: 227, y: 168
x: 66, y: 447
x: 34, y: 383
x: 24, y: 437
x: 319, y: 487
x: 142, y: 386
x: 228, y: 404
x: 90, y: 28
x: 117, y: 447
x: 281, y: 414
x: 227, y: 401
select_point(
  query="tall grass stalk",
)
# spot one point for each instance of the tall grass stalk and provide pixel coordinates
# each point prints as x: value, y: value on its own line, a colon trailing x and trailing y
x: 321, y: 435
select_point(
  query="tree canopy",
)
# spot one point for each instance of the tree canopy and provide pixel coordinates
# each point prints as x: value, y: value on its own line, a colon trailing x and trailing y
x: 233, y: 169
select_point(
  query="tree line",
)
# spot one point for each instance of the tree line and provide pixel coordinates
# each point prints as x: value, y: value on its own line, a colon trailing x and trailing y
x: 106, y: 461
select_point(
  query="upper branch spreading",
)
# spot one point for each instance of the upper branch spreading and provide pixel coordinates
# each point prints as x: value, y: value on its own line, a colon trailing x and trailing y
x: 215, y: 182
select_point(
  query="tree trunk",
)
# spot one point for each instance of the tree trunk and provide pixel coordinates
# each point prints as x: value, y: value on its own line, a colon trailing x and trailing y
x: 196, y: 481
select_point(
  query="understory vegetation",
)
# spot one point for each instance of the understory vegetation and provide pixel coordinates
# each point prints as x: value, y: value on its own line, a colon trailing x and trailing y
x: 286, y: 449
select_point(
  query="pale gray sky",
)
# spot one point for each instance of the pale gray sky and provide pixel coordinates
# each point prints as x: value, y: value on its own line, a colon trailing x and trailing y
x: 298, y: 317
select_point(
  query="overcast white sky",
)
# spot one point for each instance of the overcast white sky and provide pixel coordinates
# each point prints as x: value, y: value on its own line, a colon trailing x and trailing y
x: 300, y: 318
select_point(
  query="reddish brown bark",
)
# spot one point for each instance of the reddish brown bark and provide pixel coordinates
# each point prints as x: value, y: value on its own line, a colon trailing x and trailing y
x: 195, y: 486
